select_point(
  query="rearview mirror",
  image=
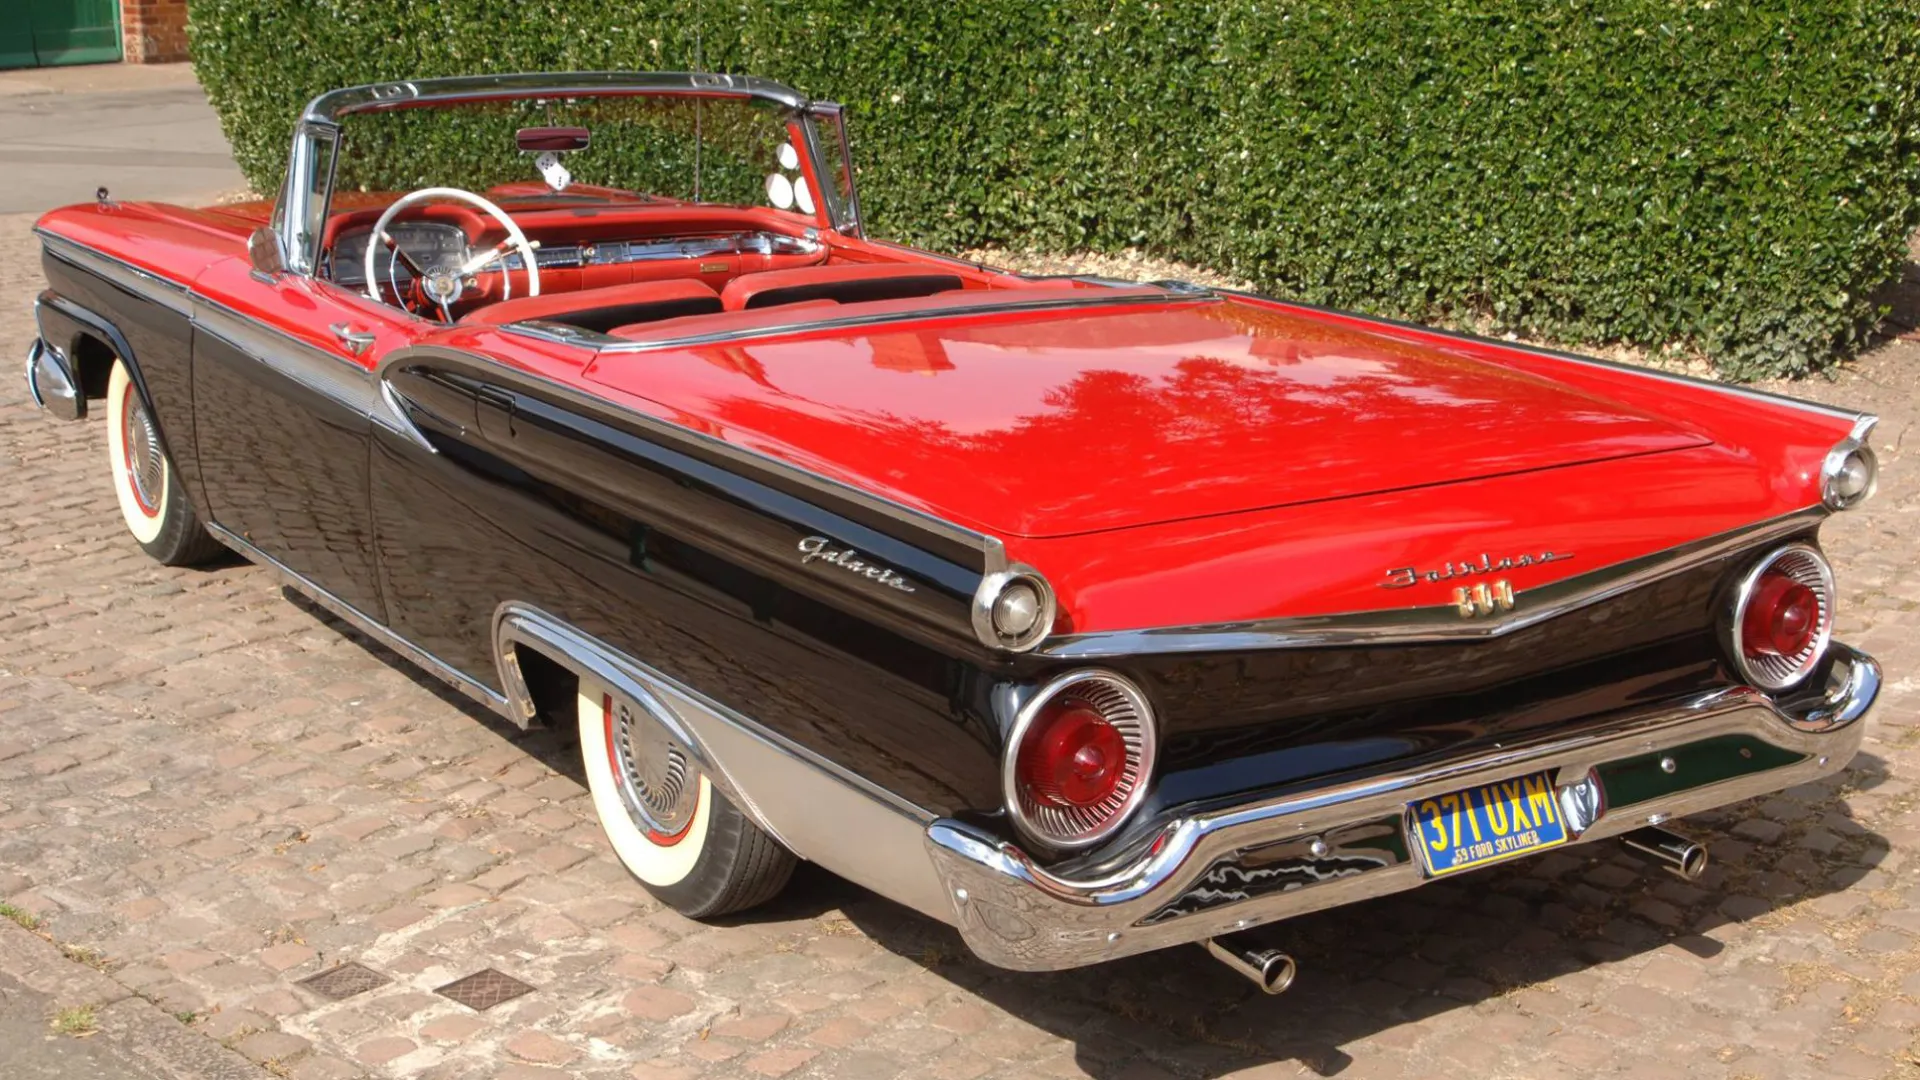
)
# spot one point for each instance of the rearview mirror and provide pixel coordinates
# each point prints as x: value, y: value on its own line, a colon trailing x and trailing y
x: 264, y: 252
x: 539, y: 140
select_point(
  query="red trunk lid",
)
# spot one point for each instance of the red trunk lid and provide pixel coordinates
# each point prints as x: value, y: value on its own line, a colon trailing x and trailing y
x: 1096, y: 419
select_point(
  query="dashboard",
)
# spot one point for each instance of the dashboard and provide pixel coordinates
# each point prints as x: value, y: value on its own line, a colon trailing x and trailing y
x: 442, y: 246
x: 432, y: 245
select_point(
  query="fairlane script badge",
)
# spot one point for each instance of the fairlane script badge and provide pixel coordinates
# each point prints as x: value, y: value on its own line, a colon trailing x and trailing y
x: 819, y: 549
x: 1402, y: 577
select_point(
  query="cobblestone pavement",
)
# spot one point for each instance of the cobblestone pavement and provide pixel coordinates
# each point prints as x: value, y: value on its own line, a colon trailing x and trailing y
x: 221, y: 790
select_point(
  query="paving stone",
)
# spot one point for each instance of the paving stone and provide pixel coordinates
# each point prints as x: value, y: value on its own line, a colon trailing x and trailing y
x: 541, y: 1048
x: 657, y: 1003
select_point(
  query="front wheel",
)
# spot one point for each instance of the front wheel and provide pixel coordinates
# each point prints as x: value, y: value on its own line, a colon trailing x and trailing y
x: 689, y: 846
x: 155, y: 509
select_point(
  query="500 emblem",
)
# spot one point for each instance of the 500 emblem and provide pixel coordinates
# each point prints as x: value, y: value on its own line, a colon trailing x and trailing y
x: 1484, y: 599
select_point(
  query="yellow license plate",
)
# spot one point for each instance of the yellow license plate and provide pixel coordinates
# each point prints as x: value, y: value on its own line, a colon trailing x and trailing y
x: 1487, y: 824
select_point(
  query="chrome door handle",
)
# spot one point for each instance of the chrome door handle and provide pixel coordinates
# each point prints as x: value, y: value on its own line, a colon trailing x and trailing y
x: 355, y: 341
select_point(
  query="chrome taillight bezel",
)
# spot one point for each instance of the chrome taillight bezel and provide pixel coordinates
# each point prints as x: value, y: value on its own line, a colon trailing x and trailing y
x: 1805, y: 564
x: 1120, y: 703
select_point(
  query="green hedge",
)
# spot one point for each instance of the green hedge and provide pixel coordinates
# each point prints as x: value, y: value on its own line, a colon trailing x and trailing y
x: 1735, y: 177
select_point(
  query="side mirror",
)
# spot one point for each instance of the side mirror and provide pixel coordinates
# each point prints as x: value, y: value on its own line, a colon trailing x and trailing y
x: 265, y: 253
x: 539, y: 140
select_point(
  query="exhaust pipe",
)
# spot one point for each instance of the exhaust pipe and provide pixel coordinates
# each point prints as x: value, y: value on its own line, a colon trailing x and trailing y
x: 1686, y: 858
x: 1269, y: 969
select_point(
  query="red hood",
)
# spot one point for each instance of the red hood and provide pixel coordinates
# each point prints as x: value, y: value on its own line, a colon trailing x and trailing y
x: 1046, y: 426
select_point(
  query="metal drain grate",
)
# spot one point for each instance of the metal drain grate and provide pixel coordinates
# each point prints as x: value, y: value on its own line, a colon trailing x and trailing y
x: 484, y: 989
x: 340, y: 983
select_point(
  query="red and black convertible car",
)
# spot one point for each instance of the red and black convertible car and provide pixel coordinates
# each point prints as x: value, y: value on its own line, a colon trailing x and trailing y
x: 1087, y: 616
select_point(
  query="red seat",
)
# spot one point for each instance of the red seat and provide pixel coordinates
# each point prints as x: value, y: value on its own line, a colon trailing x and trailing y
x: 604, y: 308
x: 690, y: 322
x: 850, y: 283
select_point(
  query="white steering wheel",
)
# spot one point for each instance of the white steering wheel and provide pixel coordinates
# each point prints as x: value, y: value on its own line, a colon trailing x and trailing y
x: 443, y: 287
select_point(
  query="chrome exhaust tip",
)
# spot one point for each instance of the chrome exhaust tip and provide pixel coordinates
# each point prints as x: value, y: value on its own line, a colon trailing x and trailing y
x: 1269, y: 969
x: 1684, y: 857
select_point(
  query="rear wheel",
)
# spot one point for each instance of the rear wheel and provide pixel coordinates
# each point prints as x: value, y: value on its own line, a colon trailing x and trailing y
x: 687, y: 844
x: 155, y: 509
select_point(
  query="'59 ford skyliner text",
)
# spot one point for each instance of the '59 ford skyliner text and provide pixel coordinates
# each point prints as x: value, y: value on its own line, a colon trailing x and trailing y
x: 1087, y: 616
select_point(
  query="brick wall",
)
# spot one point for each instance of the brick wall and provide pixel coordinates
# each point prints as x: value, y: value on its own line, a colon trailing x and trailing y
x: 154, y: 31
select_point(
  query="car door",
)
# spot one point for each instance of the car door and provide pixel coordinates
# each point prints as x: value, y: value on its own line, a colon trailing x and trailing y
x: 284, y: 392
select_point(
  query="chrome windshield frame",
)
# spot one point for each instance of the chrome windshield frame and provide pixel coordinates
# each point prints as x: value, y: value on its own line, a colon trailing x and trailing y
x: 322, y: 116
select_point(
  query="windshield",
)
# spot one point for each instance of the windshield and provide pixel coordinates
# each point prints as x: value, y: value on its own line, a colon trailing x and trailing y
x: 725, y: 150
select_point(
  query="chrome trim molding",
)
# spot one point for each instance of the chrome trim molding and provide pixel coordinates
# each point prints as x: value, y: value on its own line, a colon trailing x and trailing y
x: 1017, y: 914
x: 1856, y: 442
x: 324, y: 373
x: 1437, y: 622
x: 820, y: 811
x: 1143, y: 752
x: 960, y: 536
x: 365, y: 623
x: 1813, y: 565
x: 997, y: 306
x: 142, y: 283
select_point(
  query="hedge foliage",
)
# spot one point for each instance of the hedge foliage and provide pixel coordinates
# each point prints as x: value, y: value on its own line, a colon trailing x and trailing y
x: 1736, y: 177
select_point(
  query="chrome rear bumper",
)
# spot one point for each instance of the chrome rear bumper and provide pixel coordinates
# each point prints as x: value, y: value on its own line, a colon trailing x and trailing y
x: 1206, y: 873
x: 51, y: 381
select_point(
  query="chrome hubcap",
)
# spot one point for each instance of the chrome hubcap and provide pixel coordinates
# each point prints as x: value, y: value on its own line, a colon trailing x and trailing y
x: 658, y: 783
x: 145, y: 463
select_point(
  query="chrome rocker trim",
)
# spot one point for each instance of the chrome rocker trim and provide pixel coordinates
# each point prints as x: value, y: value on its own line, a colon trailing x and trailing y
x: 818, y: 810
x: 363, y: 622
x: 803, y: 800
x: 1347, y: 839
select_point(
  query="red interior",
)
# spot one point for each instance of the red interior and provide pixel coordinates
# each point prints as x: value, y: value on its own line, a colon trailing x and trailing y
x: 626, y: 296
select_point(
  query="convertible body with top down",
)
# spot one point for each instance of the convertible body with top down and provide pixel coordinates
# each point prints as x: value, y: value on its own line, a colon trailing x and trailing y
x: 1087, y: 616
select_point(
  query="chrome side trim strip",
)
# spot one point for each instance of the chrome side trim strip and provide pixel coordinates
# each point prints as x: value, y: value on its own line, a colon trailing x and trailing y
x: 991, y: 550
x: 1017, y: 914
x: 330, y: 376
x: 143, y: 283
x: 820, y: 811
x: 1440, y: 622
x: 366, y: 624
x: 854, y: 322
x: 1556, y: 354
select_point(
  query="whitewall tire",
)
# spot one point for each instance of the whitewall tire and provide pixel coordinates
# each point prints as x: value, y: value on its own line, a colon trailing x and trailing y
x: 156, y: 511
x: 690, y: 846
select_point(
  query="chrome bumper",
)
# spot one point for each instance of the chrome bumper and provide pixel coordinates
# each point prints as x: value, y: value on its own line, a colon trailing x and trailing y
x: 51, y: 381
x: 1203, y: 874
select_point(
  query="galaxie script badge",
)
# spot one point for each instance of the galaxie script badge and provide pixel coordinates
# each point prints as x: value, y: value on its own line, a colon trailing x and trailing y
x: 819, y: 549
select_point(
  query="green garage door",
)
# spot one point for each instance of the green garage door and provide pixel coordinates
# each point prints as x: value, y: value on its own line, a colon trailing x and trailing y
x: 39, y: 33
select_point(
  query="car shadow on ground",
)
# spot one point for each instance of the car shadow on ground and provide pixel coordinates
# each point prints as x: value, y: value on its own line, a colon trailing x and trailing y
x: 1371, y: 967
x: 1365, y: 969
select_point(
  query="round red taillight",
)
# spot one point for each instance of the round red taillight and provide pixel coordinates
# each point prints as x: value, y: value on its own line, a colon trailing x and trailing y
x: 1783, y: 617
x: 1078, y: 758
x: 1073, y: 757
